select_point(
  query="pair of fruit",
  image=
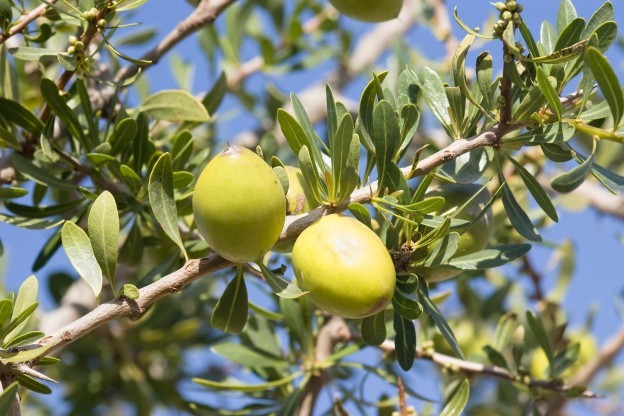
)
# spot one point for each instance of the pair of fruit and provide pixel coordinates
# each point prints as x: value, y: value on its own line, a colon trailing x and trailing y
x: 240, y: 208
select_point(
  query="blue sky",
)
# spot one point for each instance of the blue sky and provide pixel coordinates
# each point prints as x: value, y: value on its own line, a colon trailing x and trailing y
x: 598, y: 278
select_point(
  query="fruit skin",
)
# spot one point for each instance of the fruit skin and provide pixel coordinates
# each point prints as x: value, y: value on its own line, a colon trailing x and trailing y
x: 239, y: 205
x: 471, y: 240
x: 297, y: 202
x: 369, y: 10
x: 587, y: 352
x: 345, y: 267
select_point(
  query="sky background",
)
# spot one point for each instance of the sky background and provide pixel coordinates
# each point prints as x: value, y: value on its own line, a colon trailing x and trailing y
x: 597, y: 282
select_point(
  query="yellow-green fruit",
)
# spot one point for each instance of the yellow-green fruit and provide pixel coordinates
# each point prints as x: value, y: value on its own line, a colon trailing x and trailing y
x: 297, y: 202
x: 345, y: 267
x: 587, y: 351
x: 239, y: 205
x: 369, y: 10
x: 470, y: 339
x: 473, y: 239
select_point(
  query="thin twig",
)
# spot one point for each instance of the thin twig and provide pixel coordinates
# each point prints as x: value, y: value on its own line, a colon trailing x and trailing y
x: 25, y: 20
x: 536, y: 278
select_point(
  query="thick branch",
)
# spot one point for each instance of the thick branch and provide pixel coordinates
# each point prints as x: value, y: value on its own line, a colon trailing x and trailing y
x: 25, y: 20
x: 294, y: 225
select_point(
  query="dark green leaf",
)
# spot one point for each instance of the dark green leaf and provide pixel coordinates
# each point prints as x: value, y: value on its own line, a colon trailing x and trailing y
x: 16, y: 113
x: 103, y: 226
x: 230, y: 313
x: 367, y: 105
x: 10, y: 192
x: 360, y: 212
x: 23, y: 339
x: 458, y: 400
x: 162, y: 199
x: 540, y: 196
x: 42, y: 211
x: 556, y: 153
x: 373, y: 329
x: 404, y: 341
x: 175, y: 105
x: 518, y: 218
x: 406, y: 307
x: 57, y: 104
x: 537, y: 327
x: 32, y: 384
x: 440, y: 322
x: 386, y: 136
x: 7, y: 396
x: 490, y: 257
x: 279, y: 286
x: 571, y: 34
x: 495, y: 357
x: 608, y: 82
x: 530, y: 104
x: 214, y: 97
x: 572, y: 179
x: 550, y: 93
x: 125, y: 131
x: 551, y: 133
x: 37, y: 174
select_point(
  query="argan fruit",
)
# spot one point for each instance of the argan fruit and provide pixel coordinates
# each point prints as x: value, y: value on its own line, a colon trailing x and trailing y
x: 345, y: 267
x: 239, y: 205
x: 369, y: 10
x: 473, y: 239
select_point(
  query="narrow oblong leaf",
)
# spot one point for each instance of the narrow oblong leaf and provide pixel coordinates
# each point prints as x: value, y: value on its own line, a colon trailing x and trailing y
x: 78, y: 248
x: 404, y: 341
x: 57, y: 104
x: 458, y: 400
x: 490, y: 257
x: 386, y: 135
x: 406, y: 307
x: 435, y: 96
x: 550, y: 93
x: 37, y: 174
x: 539, y: 194
x: 26, y: 297
x: 103, y: 226
x: 360, y: 213
x: 247, y: 388
x: 162, y: 200
x: 16, y: 113
x: 175, y: 105
x: 537, y: 327
x: 373, y: 329
x: 518, y: 218
x: 608, y: 82
x: 440, y: 322
x: 7, y: 396
x: 551, y: 133
x: 280, y: 287
x: 230, y: 313
x: 27, y: 355
x: 10, y: 192
x: 32, y: 384
x: 572, y: 179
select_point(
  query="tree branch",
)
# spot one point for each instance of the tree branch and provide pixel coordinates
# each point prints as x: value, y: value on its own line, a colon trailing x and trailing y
x: 194, y: 269
x: 25, y: 20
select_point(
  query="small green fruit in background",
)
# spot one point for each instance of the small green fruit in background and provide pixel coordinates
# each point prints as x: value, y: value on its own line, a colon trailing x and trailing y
x: 587, y: 351
x: 345, y: 267
x: 239, y: 205
x: 297, y: 202
x: 369, y: 10
x: 473, y: 239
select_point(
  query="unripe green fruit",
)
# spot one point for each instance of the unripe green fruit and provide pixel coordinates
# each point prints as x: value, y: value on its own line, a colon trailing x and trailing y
x: 345, y: 267
x: 239, y: 205
x: 297, y: 202
x: 369, y: 10
x: 471, y: 240
x: 587, y: 351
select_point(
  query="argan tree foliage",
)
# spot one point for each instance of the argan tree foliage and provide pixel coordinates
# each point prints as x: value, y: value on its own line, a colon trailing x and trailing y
x: 148, y: 317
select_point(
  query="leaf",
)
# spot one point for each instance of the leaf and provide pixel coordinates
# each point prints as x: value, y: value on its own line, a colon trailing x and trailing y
x: 26, y: 355
x: 230, y: 313
x: 26, y: 297
x: 536, y: 190
x: 19, y: 319
x: 247, y: 388
x: 367, y: 105
x: 28, y: 169
x: 11, y: 192
x: 556, y: 153
x: 608, y: 82
x: 484, y: 78
x: 23, y: 339
x: 505, y: 328
x: 549, y: 92
x: 103, y: 226
x: 360, y: 213
x: 531, y: 103
x: 440, y: 322
x: 279, y: 286
x: 458, y: 400
x: 386, y: 135
x: 406, y: 307
x: 565, y: 15
x: 20, y: 115
x: 80, y: 253
x: 7, y: 396
x: 537, y: 327
x: 373, y: 329
x: 175, y: 105
x: 115, y: 51
x: 551, y: 133
x: 310, y: 176
x: 57, y: 104
x: 306, y: 125
x: 340, y: 146
x: 32, y: 384
x: 404, y: 341
x: 162, y: 200
x: 125, y: 131
x: 28, y: 53
x: 490, y: 257
x: 572, y: 179
x: 518, y: 218
x: 292, y: 130
x: 604, y: 14
x: 213, y: 99
x: 129, y: 291
x: 571, y: 35
x: 435, y: 96
x: 247, y: 357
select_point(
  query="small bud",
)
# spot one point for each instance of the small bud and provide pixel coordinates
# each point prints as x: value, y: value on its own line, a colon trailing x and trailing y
x: 511, y: 6
x: 73, y: 40
x: 516, y: 18
x: 71, y: 50
x: 500, y: 6
x: 101, y: 24
x: 519, y: 8
x: 79, y: 46
x: 506, y: 15
x: 507, y: 58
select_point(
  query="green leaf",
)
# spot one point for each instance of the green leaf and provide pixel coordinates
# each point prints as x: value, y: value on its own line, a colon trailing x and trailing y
x: 26, y: 297
x: 41, y: 211
x: 571, y: 35
x: 312, y: 138
x: 435, y: 96
x: 332, y: 116
x: 7, y: 396
x: 566, y: 13
x: 311, y: 176
x: 129, y: 291
x: 230, y: 313
x: 115, y: 51
x: 551, y: 133
x: 133, y: 180
x: 32, y: 384
x: 604, y: 14
x: 20, y: 115
x: 80, y: 253
x: 10, y: 192
x: 340, y: 147
x: 182, y: 149
x: 26, y: 355
x: 531, y: 103
x: 440, y: 322
x: 6, y: 308
x: 539, y: 194
x: 484, y: 78
x: 505, y: 328
x: 406, y: 307
x: 247, y: 357
x: 490, y: 257
x: 57, y: 104
x: 549, y: 92
x: 129, y: 5
x: 458, y: 400
x: 125, y: 131
x: 404, y: 341
x: 518, y: 218
x: 367, y: 105
x: 386, y: 135
x: 537, y: 327
x: 360, y: 213
x: 373, y: 328
x: 31, y: 171
x: 247, y: 388
x: 85, y: 103
x: 175, y: 105
x: 572, y: 179
x: 23, y: 339
x: 608, y: 82
x: 19, y: 319
x: 103, y: 226
x: 162, y: 200
x: 556, y: 153
x: 279, y: 286
x: 28, y: 53
x: 214, y: 97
